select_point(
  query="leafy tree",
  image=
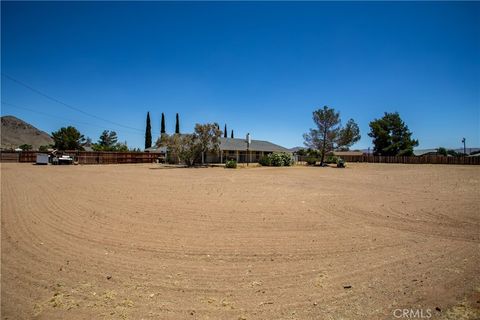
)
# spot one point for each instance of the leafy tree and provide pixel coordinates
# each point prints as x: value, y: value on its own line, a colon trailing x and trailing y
x: 188, y: 148
x: 301, y: 152
x: 26, y: 147
x: 181, y: 146
x: 177, y: 125
x: 162, y: 126
x: 121, y: 147
x: 454, y: 153
x: 44, y: 148
x: 208, y: 138
x: 225, y: 131
x: 68, y: 138
x: 391, y: 136
x: 231, y: 135
x: 329, y: 134
x: 442, y: 151
x: 348, y: 135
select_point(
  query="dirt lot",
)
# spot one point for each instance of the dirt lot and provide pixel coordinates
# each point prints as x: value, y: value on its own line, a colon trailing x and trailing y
x: 138, y: 242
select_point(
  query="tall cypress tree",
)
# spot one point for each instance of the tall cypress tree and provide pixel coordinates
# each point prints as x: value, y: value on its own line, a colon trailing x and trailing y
x: 148, y: 133
x: 231, y: 135
x: 162, y: 127
x: 225, y: 131
x: 177, y: 125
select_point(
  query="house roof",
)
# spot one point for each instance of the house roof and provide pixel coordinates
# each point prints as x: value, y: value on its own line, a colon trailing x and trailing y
x: 256, y: 145
x: 348, y: 153
x: 420, y: 152
x: 156, y: 150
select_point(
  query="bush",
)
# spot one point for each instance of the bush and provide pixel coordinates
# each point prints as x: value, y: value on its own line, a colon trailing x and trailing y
x: 265, y: 161
x: 277, y: 159
x: 311, y: 161
x: 231, y: 164
x: 331, y: 159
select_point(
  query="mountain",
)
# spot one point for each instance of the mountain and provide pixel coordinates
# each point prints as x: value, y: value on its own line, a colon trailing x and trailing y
x: 15, y: 132
x: 295, y: 149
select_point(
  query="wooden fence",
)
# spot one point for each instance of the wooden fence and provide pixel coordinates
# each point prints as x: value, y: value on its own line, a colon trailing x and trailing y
x: 102, y: 157
x: 407, y: 160
x: 86, y: 157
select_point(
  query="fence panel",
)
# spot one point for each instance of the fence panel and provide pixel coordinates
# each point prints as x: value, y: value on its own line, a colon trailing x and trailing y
x: 86, y: 157
x: 406, y: 159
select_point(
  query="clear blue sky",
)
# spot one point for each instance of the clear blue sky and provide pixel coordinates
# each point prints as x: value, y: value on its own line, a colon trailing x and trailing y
x: 259, y: 67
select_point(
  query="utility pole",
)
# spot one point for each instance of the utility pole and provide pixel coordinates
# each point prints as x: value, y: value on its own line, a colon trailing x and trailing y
x: 248, y: 147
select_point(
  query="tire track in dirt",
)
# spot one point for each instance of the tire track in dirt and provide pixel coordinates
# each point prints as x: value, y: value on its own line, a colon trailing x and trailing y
x: 115, y: 242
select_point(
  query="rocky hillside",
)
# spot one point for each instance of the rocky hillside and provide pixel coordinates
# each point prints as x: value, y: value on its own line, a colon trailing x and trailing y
x: 15, y: 132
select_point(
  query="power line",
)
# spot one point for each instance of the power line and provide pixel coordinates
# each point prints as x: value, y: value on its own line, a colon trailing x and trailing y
x: 54, y: 116
x: 66, y: 104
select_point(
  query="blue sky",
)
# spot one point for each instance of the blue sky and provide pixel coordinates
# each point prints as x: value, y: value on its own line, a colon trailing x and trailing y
x: 260, y: 67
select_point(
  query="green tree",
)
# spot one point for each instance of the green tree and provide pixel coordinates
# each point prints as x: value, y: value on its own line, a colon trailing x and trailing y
x: 26, y: 147
x: 391, y: 136
x: 108, y: 141
x: 162, y: 126
x: 207, y: 138
x: 68, y: 138
x: 329, y: 134
x: 225, y: 131
x: 148, y: 133
x: 188, y: 148
x: 442, y: 151
x: 348, y: 135
x: 44, y: 148
x: 454, y: 153
x: 177, y: 125
x: 121, y: 147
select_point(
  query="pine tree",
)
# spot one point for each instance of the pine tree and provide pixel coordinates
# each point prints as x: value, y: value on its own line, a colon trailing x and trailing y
x: 329, y: 134
x: 231, y: 135
x: 162, y: 127
x: 225, y: 131
x: 177, y: 125
x: 391, y: 136
x: 148, y: 133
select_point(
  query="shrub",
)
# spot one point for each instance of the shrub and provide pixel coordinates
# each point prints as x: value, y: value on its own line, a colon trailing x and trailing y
x: 265, y: 161
x: 331, y: 159
x: 231, y: 164
x: 287, y: 159
x: 311, y: 161
x: 277, y: 159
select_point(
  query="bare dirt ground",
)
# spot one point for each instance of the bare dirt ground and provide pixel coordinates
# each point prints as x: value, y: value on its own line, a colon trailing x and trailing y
x: 135, y: 242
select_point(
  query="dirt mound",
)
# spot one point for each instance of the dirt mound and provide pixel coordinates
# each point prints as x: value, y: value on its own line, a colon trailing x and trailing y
x: 16, y: 132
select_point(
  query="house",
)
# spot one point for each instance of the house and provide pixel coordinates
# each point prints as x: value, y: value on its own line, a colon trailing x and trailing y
x: 233, y: 148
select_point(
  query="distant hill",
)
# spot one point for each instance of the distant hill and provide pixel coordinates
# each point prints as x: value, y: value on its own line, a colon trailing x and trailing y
x: 15, y: 132
x: 295, y: 149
